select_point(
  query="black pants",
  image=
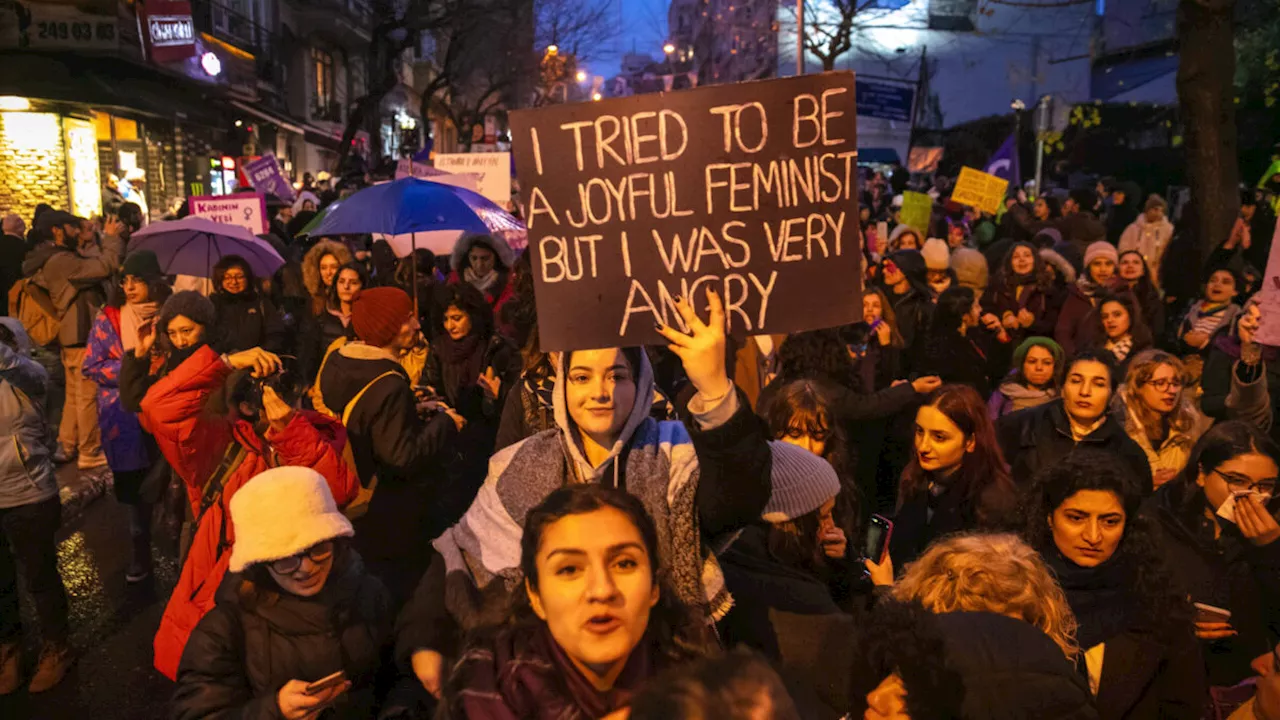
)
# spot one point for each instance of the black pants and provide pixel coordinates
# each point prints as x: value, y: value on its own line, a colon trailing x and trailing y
x: 27, y: 541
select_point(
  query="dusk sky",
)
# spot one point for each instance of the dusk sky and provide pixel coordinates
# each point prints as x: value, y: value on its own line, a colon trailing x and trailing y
x: 643, y: 26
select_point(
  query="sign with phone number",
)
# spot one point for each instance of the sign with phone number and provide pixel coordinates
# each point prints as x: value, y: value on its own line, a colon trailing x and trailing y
x: 37, y: 25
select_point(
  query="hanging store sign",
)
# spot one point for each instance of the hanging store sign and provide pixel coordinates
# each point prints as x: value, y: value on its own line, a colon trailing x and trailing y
x: 42, y: 26
x: 168, y: 29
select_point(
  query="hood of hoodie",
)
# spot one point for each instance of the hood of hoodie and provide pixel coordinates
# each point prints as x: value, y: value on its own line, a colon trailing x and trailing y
x: 19, y: 334
x: 459, y: 257
x: 311, y: 264
x: 639, y: 413
x: 1060, y: 264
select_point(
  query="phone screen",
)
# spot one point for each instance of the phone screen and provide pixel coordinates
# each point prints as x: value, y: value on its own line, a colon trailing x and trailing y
x: 877, y: 538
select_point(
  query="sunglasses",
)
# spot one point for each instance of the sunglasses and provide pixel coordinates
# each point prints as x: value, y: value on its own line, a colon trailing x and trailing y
x: 318, y: 553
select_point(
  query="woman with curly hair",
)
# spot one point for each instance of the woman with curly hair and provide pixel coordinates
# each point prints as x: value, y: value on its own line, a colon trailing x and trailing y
x: 1022, y: 294
x: 1159, y: 412
x: 957, y: 481
x: 591, y: 624
x: 996, y: 573
x: 1134, y: 626
x: 320, y: 268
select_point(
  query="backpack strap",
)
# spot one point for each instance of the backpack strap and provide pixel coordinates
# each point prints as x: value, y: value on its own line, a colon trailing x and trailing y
x: 231, y: 458
x: 360, y: 505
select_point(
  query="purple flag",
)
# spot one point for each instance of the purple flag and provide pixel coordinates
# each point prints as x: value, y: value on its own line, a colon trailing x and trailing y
x: 1004, y: 164
x: 267, y: 177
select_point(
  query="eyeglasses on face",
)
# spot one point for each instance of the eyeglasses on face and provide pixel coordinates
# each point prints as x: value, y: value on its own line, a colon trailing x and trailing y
x: 1163, y: 385
x: 1244, y: 483
x: 318, y: 553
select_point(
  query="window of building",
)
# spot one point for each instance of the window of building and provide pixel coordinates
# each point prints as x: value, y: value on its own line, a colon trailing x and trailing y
x: 322, y: 93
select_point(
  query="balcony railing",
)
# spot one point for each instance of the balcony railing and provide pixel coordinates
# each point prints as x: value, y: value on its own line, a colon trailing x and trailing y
x: 321, y: 110
x: 231, y: 27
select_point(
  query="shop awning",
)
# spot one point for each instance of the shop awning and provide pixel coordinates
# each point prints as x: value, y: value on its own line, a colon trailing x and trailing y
x: 104, y: 82
x: 270, y: 117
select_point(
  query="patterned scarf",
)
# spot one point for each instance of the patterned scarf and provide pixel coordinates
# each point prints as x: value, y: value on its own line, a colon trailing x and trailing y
x: 1120, y: 348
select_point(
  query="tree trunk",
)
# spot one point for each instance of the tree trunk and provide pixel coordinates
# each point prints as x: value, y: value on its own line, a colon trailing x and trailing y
x: 1206, y: 75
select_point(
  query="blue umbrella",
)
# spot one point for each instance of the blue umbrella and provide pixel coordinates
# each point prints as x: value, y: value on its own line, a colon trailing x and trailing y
x: 410, y: 205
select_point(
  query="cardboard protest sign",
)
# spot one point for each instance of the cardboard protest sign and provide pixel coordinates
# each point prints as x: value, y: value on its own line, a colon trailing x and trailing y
x: 1269, y: 295
x: 248, y: 210
x: 266, y: 177
x: 980, y: 190
x: 748, y: 188
x: 917, y: 211
x: 492, y: 171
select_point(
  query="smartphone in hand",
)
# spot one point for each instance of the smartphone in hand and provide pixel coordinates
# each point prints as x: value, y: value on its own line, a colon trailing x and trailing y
x: 324, y: 683
x: 876, y: 542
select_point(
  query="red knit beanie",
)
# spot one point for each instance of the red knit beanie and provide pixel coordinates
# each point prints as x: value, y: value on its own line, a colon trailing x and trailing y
x: 378, y: 314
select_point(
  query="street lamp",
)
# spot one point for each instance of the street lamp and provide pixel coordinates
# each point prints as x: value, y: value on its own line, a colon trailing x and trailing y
x: 582, y: 76
x: 596, y: 96
x: 553, y: 49
x: 669, y: 48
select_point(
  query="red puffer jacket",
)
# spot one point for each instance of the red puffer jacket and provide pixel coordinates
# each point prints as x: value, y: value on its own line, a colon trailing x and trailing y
x: 195, y: 441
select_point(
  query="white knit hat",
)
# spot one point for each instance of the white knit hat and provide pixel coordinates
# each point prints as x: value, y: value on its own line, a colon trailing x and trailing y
x: 937, y: 256
x: 281, y: 512
x: 802, y: 482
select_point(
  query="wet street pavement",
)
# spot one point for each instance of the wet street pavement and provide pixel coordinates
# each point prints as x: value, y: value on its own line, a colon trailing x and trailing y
x: 112, y: 624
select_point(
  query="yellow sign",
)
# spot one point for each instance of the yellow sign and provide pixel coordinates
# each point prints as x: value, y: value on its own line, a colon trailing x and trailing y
x: 82, y: 167
x: 917, y: 211
x: 980, y: 190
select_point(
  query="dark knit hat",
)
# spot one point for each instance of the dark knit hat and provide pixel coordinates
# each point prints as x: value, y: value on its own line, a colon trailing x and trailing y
x: 189, y: 304
x: 143, y: 264
x: 378, y: 314
x: 802, y: 482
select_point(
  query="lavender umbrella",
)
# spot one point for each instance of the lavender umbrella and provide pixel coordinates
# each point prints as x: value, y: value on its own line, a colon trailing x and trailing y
x: 193, y: 245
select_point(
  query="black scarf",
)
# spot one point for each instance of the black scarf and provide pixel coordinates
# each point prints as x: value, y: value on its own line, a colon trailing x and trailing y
x: 1099, y: 596
x: 176, y: 357
x: 460, y: 363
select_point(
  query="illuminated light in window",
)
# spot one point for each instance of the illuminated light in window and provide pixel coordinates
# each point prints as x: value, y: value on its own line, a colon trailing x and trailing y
x: 31, y: 131
x: 13, y: 103
x: 228, y: 162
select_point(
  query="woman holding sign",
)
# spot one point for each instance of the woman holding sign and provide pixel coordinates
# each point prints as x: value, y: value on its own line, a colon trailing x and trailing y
x: 699, y: 481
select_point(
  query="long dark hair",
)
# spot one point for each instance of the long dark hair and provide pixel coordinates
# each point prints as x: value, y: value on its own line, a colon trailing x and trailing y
x: 158, y: 290
x: 1143, y: 286
x: 1138, y: 330
x: 1158, y: 602
x: 817, y: 355
x: 1222, y: 442
x: 332, y: 293
x: 982, y: 470
x: 469, y: 300
x: 805, y: 406
x: 1042, y: 278
x: 953, y: 304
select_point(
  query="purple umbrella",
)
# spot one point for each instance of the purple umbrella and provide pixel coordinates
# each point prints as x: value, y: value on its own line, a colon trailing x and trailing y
x: 193, y: 245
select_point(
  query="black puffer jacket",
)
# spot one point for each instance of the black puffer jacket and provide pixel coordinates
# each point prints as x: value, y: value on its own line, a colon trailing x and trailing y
x: 1038, y: 437
x: 238, y: 658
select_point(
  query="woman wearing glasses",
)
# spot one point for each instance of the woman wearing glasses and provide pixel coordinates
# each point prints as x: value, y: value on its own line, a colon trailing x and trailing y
x: 244, y: 318
x: 299, y: 625
x: 1219, y: 535
x: 1159, y: 412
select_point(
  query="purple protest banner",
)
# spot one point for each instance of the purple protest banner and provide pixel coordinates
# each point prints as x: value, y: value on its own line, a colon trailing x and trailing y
x: 267, y: 177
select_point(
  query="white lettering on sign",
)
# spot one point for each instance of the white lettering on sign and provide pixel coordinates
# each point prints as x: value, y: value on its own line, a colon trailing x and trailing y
x: 171, y: 30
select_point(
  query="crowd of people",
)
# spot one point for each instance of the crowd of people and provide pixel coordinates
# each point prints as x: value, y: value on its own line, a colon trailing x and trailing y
x: 1031, y: 482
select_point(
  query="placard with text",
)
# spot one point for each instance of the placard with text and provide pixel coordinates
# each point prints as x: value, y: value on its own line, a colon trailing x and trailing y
x: 748, y: 189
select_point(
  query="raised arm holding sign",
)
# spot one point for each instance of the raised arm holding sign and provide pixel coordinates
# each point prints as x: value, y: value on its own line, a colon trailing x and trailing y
x: 748, y: 189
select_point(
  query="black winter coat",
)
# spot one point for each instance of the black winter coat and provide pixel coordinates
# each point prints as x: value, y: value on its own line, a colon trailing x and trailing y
x: 417, y: 496
x: 1148, y: 677
x: 913, y: 311
x: 761, y: 585
x: 1038, y: 437
x: 238, y: 658
x: 245, y: 321
x: 925, y: 516
x: 972, y: 359
x: 1228, y: 572
x: 1011, y: 670
x: 476, y: 441
x: 317, y: 333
